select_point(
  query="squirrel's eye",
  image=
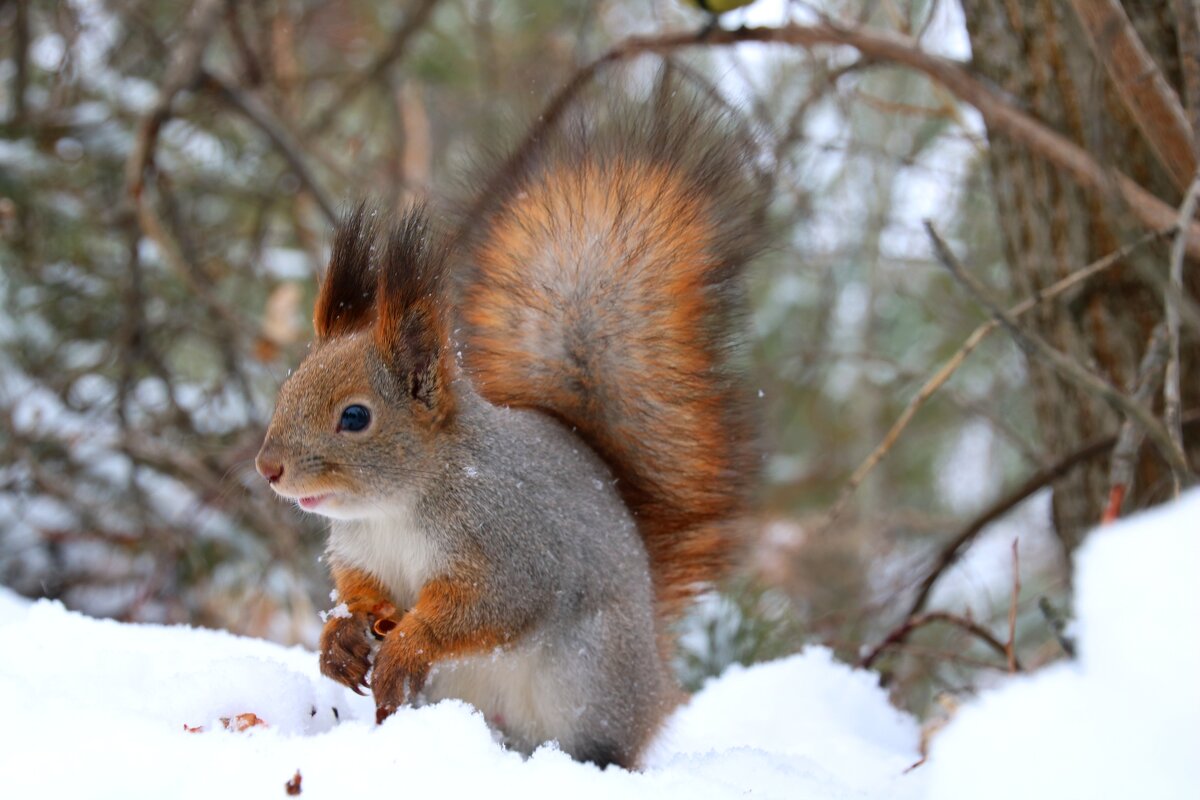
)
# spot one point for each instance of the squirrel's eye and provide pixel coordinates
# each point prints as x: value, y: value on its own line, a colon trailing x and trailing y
x: 354, y: 418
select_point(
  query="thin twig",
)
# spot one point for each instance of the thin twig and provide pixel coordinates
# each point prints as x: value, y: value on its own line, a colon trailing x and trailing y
x: 1058, y: 626
x: 822, y: 84
x: 1149, y: 99
x: 939, y: 378
x: 251, y: 65
x: 997, y: 110
x: 905, y: 629
x: 1129, y: 439
x: 397, y: 46
x: 1171, y: 395
x: 1159, y: 280
x: 1066, y: 367
x: 182, y: 72
x: 1010, y: 647
x: 287, y: 145
x: 958, y: 543
x: 1187, y: 27
x: 153, y: 226
x: 21, y: 41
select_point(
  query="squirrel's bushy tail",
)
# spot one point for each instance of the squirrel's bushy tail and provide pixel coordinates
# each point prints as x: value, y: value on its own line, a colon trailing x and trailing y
x: 604, y: 287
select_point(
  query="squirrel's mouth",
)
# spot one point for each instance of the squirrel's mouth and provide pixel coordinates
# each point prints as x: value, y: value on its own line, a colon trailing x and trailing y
x: 312, y: 501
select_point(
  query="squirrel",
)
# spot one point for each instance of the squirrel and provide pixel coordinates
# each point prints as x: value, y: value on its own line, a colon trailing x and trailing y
x: 532, y: 439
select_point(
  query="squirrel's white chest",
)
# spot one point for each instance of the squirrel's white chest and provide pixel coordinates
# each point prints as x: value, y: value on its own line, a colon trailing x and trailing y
x: 393, y: 548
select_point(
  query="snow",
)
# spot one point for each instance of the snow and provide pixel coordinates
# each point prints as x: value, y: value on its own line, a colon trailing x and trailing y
x: 340, y: 611
x: 1121, y: 721
x: 832, y: 724
x: 96, y: 708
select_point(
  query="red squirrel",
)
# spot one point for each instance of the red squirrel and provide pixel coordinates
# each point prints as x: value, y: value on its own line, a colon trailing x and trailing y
x: 531, y: 441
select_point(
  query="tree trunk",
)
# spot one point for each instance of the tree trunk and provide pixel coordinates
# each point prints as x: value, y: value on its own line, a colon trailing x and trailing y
x: 1037, y: 52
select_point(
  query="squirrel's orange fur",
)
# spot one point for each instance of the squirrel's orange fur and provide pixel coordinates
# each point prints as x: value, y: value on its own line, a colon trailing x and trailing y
x: 603, y: 288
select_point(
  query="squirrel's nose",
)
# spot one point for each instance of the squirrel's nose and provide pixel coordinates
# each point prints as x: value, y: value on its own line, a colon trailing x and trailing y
x: 268, y: 467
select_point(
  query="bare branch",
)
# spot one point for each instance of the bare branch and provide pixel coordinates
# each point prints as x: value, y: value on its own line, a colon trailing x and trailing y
x: 939, y: 378
x: 997, y: 110
x: 958, y: 543
x: 1187, y: 25
x: 291, y: 150
x: 1039, y: 480
x: 414, y: 20
x: 1171, y: 401
x: 183, y: 70
x: 1066, y: 367
x: 1010, y: 647
x: 900, y: 634
x: 168, y: 245
x: 1129, y: 439
x: 1150, y: 100
x: 1058, y: 625
x: 21, y: 41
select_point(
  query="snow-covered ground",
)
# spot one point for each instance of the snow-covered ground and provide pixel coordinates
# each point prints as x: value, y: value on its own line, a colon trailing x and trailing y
x: 1121, y: 721
x: 92, y: 708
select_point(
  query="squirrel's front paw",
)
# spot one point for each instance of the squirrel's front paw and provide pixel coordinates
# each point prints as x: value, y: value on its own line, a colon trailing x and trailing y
x: 401, y: 667
x: 346, y: 651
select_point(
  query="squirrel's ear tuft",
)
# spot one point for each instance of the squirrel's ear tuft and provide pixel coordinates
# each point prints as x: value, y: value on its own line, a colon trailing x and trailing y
x: 412, y: 319
x: 346, y: 299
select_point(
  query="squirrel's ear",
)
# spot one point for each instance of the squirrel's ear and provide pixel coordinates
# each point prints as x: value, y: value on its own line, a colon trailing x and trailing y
x: 346, y: 298
x: 412, y: 319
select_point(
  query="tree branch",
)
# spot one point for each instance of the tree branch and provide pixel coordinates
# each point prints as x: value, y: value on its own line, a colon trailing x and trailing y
x: 287, y: 145
x: 900, y: 634
x: 1039, y: 480
x: 1187, y: 26
x: 1150, y: 100
x: 1130, y: 437
x: 1066, y: 367
x: 939, y: 378
x: 152, y: 225
x: 182, y: 72
x: 21, y: 41
x: 414, y: 20
x: 1171, y: 394
x: 1010, y: 647
x: 997, y: 110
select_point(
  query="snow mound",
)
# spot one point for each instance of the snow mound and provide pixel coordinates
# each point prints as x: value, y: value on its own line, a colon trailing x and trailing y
x: 831, y: 720
x: 1121, y: 721
x: 95, y: 708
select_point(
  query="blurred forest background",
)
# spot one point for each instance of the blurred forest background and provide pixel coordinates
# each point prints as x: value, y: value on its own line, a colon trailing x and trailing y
x: 168, y: 176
